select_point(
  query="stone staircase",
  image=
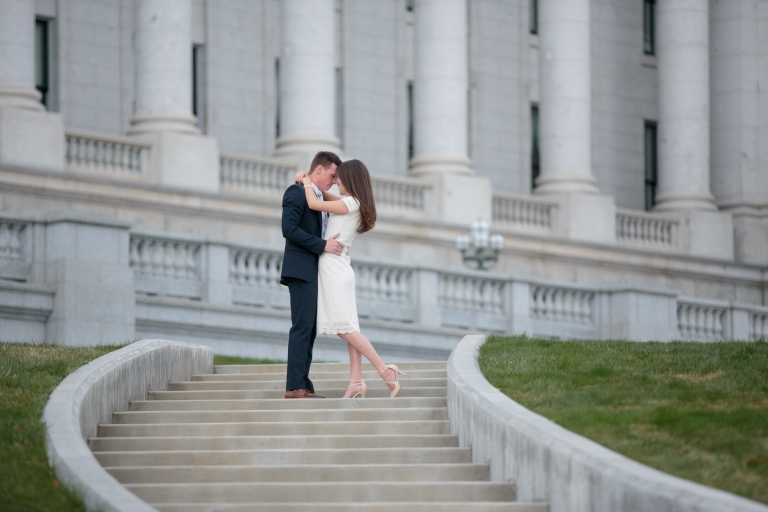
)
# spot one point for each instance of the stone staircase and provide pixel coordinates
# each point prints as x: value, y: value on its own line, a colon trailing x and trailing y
x: 230, y: 441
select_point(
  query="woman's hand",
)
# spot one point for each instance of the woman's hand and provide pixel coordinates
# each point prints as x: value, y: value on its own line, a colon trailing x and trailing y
x: 305, y: 180
x: 299, y: 177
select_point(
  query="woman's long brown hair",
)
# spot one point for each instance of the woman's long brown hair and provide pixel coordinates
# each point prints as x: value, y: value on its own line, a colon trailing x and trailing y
x: 357, y: 180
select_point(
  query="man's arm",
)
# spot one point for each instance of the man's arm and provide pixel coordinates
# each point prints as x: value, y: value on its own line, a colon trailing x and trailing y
x: 293, y: 204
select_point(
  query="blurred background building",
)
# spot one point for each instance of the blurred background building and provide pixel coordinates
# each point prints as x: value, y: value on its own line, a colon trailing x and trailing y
x: 620, y: 147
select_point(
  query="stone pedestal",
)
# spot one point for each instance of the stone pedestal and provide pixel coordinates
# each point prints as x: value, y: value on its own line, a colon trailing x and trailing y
x: 30, y: 138
x: 459, y: 198
x: 86, y: 260
x: 586, y: 217
x: 709, y: 234
x: 639, y: 315
x: 520, y: 308
x: 184, y: 161
x: 217, y: 288
x: 307, y: 91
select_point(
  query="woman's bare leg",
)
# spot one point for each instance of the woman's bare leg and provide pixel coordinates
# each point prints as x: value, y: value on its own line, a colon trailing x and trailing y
x: 355, y: 371
x: 361, y: 344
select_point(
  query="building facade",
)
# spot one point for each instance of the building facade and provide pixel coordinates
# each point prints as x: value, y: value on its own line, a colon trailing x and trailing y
x: 620, y: 147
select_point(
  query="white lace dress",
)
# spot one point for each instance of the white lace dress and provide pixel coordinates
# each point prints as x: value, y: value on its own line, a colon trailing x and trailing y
x: 336, y: 307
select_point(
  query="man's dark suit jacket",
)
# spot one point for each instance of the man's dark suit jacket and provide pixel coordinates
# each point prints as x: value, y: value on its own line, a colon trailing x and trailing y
x: 302, y: 229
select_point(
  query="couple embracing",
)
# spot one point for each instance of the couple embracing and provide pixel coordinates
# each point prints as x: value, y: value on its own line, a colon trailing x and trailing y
x: 319, y: 228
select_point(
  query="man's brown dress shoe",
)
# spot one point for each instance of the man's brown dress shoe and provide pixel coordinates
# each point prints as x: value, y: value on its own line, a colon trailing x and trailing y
x: 301, y: 393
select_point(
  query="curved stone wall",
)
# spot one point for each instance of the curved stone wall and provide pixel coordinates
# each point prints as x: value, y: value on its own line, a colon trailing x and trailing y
x: 549, y: 463
x: 91, y: 394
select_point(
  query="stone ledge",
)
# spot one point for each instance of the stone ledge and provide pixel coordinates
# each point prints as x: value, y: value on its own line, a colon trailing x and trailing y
x: 92, y: 393
x: 549, y: 463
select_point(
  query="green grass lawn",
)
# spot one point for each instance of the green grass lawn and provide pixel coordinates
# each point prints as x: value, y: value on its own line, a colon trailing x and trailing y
x: 695, y: 410
x: 28, y: 375
x: 220, y: 360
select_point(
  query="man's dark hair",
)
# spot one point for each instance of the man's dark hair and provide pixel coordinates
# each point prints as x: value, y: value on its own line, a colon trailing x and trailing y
x: 324, y: 158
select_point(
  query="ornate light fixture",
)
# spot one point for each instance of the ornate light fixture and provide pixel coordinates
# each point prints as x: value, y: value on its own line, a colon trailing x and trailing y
x: 480, y: 250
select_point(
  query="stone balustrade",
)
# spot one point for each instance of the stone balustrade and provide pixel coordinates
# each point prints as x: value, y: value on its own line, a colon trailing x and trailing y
x: 98, y: 153
x: 14, y: 252
x: 524, y: 213
x: 401, y: 195
x: 163, y: 266
x: 703, y: 321
x: 208, y: 290
x: 560, y: 304
x: 247, y: 175
x: 650, y: 231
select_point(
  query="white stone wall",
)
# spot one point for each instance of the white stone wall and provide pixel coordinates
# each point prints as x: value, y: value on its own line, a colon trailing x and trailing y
x: 499, y: 106
x: 623, y: 97
x: 374, y: 84
x: 239, y: 75
x: 92, y: 71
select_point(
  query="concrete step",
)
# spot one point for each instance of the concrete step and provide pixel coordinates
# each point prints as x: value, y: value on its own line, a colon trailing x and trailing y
x: 302, y: 473
x: 325, y: 367
x: 400, y: 414
x: 350, y: 428
x: 105, y: 444
x: 323, y: 492
x: 392, y: 506
x: 282, y: 404
x: 406, y: 392
x: 342, y: 375
x: 320, y: 385
x: 285, y: 456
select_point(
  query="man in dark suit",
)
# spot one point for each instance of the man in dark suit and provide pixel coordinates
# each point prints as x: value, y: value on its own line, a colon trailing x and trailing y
x: 304, y: 243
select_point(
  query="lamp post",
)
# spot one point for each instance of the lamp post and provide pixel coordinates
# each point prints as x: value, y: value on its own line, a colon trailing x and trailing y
x: 480, y: 250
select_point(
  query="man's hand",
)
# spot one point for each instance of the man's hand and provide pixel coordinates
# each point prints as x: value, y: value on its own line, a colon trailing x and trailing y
x: 333, y: 246
x: 299, y: 176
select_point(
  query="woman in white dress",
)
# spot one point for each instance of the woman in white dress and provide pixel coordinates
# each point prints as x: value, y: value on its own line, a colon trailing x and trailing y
x: 353, y: 214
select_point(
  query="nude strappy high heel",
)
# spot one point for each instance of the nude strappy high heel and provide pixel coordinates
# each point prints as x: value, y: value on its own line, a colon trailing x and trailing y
x: 392, y: 392
x: 363, y: 388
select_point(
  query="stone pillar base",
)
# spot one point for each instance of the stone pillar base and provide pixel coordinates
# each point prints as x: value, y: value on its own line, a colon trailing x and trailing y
x: 425, y: 165
x: 708, y: 234
x: 87, y: 261
x: 639, y: 315
x: 31, y: 139
x: 750, y: 244
x: 586, y: 217
x: 184, y: 161
x: 459, y: 198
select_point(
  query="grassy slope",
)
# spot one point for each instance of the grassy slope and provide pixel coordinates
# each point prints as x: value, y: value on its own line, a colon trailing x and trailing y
x: 28, y: 375
x: 695, y: 410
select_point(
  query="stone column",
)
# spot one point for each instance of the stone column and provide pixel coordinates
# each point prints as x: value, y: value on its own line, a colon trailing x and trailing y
x: 440, y: 86
x: 17, y: 55
x: 565, y: 108
x: 683, y: 134
x: 440, y: 113
x: 163, y: 42
x: 307, y: 78
x: 180, y: 157
x: 29, y: 136
x: 684, y: 128
x: 735, y: 122
x: 565, y: 125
